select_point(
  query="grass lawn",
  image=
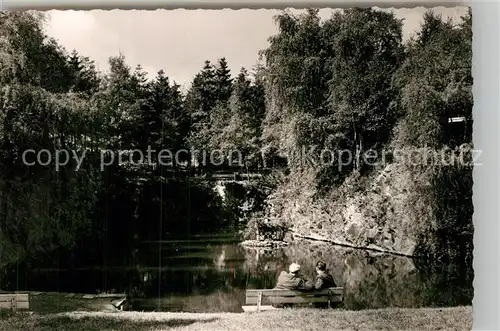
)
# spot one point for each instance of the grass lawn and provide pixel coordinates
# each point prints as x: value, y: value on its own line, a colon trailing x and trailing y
x: 456, y: 319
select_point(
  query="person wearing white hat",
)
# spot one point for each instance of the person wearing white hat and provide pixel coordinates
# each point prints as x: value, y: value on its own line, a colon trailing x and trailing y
x: 294, y: 268
x: 292, y: 279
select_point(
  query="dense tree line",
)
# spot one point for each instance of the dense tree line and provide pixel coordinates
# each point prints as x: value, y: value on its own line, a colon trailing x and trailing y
x: 348, y: 83
x: 54, y: 100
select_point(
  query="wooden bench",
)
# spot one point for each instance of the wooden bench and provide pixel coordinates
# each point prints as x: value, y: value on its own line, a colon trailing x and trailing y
x: 255, y: 299
x: 14, y: 301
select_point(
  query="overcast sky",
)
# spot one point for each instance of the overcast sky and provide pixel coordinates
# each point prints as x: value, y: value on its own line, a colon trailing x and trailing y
x: 179, y: 41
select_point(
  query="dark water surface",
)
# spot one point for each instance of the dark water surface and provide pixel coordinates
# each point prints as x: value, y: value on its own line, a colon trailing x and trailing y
x: 211, y: 274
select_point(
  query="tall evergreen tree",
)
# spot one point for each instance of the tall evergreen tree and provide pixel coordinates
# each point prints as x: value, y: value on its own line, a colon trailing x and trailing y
x: 224, y: 80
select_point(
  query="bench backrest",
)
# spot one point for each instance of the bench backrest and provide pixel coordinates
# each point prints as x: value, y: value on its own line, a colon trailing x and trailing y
x: 278, y: 296
x: 14, y: 301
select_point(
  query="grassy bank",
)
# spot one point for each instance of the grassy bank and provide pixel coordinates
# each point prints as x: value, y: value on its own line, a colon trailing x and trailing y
x: 457, y: 318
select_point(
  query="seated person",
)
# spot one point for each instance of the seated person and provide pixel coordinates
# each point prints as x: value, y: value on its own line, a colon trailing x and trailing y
x: 292, y: 280
x: 323, y: 280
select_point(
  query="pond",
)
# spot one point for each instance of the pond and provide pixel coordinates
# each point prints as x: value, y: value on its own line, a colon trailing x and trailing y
x: 211, y: 274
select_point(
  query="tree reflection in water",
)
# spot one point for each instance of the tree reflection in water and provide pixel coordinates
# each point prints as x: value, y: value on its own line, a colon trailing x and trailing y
x: 204, y: 276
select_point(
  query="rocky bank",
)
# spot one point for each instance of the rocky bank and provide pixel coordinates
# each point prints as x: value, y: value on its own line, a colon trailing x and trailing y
x: 387, y: 211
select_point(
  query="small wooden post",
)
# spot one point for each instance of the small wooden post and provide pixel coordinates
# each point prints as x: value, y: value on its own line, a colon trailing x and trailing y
x: 13, y: 304
x: 259, y: 300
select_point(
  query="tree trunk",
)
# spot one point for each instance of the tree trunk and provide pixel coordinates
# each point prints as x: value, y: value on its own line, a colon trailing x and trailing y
x: 358, y: 149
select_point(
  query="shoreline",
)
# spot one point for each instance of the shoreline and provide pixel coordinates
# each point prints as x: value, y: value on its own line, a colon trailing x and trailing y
x: 277, y: 244
x: 372, y: 248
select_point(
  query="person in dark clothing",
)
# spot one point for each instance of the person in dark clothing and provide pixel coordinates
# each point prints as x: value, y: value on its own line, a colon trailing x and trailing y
x: 323, y: 280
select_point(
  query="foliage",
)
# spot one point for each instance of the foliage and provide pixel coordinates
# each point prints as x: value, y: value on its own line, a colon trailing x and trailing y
x: 347, y: 83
